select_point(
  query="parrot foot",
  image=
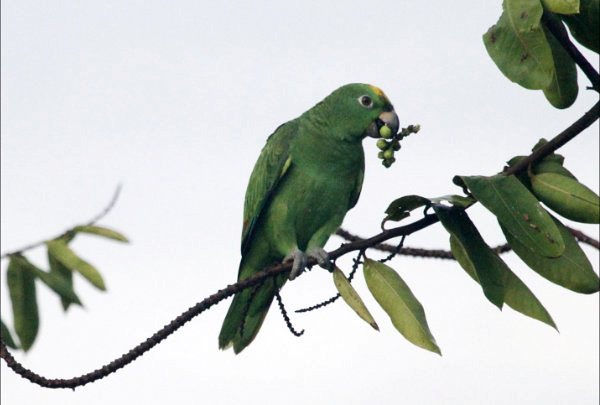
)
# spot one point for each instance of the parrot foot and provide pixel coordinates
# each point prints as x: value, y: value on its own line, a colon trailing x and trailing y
x: 321, y: 256
x: 299, y: 264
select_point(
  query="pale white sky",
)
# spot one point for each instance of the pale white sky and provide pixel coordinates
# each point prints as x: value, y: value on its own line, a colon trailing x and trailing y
x: 175, y: 100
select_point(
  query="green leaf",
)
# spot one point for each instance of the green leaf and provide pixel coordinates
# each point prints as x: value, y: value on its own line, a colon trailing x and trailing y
x: 400, y: 208
x: 516, y: 294
x: 572, y: 270
x: 488, y: 269
x: 563, y: 90
x: 403, y: 308
x: 518, y: 46
x: 59, y: 270
x: 62, y: 253
x: 585, y: 26
x: 6, y: 336
x: 352, y: 298
x: 552, y: 163
x: 21, y: 288
x: 562, y: 6
x: 567, y: 197
x: 57, y: 284
x: 551, y: 167
x: 519, y: 211
x: 102, y: 231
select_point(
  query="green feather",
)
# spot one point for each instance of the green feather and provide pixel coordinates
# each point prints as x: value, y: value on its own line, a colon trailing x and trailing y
x: 308, y: 175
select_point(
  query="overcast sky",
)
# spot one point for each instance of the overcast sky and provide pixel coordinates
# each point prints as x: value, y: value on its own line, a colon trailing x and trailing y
x: 175, y: 101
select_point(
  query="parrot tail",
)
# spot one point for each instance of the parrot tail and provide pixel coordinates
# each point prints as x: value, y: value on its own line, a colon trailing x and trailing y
x: 247, y: 313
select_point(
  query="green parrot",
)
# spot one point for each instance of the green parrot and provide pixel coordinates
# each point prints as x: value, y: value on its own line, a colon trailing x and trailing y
x: 308, y: 175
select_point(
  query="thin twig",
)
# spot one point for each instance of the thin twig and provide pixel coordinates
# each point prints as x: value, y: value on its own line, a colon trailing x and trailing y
x: 92, y: 221
x: 446, y: 254
x: 286, y: 318
x: 394, y: 251
x: 559, y: 140
x: 583, y: 238
x: 108, y: 208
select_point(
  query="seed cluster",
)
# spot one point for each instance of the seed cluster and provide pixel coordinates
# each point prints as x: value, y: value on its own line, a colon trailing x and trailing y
x: 390, y: 143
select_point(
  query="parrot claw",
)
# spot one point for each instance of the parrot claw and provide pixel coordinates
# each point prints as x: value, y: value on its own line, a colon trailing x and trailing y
x: 299, y: 264
x: 321, y: 256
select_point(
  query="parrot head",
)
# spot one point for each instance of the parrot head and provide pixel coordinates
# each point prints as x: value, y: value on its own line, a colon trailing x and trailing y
x: 361, y: 110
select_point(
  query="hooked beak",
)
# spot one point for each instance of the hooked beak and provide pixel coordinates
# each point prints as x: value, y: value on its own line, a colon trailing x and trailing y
x: 388, y: 118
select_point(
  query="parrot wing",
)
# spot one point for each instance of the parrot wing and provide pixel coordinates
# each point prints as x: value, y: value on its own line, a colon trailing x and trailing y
x: 270, y: 168
x: 357, y: 188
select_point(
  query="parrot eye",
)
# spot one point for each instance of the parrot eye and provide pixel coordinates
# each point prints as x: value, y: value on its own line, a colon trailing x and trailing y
x: 365, y: 101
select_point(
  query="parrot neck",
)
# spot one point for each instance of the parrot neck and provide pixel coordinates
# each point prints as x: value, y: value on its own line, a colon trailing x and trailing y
x: 318, y: 146
x: 328, y: 122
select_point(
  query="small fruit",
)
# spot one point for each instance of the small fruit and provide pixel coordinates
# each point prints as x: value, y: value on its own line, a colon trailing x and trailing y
x: 388, y: 154
x: 396, y: 145
x: 382, y: 144
x: 385, y: 132
x: 380, y: 155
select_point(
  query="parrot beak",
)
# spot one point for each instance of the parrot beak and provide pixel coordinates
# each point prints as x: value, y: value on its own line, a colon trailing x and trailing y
x: 388, y: 118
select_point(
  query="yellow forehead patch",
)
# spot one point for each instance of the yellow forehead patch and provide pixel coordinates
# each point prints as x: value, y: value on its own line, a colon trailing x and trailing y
x: 378, y: 91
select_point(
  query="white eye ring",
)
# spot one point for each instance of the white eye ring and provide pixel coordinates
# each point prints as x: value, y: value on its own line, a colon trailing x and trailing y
x: 365, y: 101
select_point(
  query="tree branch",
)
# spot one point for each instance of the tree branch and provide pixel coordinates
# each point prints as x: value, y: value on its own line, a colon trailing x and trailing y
x: 197, y: 309
x: 407, y: 251
x: 581, y: 124
x: 559, y: 140
x: 446, y: 254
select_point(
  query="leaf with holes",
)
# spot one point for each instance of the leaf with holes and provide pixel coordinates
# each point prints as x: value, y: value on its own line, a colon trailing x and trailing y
x: 455, y: 200
x: 400, y: 208
x: 62, y: 253
x: 398, y: 301
x: 21, y: 288
x: 102, y: 231
x: 567, y: 197
x: 6, y: 336
x: 519, y: 211
x: 518, y: 46
x: 572, y: 270
x: 488, y: 269
x: 351, y: 297
x: 516, y: 294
